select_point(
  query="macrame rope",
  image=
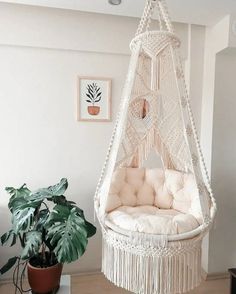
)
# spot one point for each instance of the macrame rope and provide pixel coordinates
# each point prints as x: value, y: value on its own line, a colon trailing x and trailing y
x: 163, y: 14
x: 146, y: 17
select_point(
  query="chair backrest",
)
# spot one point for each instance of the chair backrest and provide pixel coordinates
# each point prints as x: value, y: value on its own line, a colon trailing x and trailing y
x: 167, y: 189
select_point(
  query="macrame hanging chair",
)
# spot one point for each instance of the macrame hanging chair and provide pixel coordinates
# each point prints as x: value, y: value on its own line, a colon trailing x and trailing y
x: 153, y: 220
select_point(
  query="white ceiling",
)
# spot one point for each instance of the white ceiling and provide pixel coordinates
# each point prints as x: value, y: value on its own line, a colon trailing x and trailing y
x: 204, y: 12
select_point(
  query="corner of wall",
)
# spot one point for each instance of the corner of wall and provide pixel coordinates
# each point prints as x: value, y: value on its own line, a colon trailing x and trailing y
x: 217, y: 39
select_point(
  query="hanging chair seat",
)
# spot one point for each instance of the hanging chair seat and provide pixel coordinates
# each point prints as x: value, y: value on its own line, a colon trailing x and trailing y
x: 153, y: 201
x: 151, y: 220
x: 145, y: 208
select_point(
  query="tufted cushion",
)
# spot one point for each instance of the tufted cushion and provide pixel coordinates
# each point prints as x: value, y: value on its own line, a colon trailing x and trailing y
x: 155, y: 178
x: 151, y: 220
x: 153, y: 201
x: 165, y: 190
x: 185, y: 193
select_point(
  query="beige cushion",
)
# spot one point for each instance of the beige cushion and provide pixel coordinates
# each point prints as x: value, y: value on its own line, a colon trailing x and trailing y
x: 151, y: 220
x: 154, y: 187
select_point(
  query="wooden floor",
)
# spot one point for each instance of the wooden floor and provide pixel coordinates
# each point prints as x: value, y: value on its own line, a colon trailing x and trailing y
x: 97, y: 284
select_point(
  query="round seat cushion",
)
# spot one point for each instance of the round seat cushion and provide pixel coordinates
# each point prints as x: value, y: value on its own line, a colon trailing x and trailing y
x: 152, y: 220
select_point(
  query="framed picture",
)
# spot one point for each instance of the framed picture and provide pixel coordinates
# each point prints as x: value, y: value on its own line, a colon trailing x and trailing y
x: 94, y: 99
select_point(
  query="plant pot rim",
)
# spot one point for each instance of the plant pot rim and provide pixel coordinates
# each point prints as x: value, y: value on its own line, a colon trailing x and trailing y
x: 44, y: 268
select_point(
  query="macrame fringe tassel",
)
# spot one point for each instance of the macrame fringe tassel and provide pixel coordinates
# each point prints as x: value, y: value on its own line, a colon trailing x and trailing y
x: 145, y: 146
x: 153, y: 140
x: 159, y: 274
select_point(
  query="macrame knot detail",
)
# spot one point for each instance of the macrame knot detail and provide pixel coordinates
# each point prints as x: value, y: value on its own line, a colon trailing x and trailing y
x: 189, y: 130
x: 194, y: 159
x: 207, y: 221
x: 179, y: 73
x: 201, y: 188
x: 183, y: 102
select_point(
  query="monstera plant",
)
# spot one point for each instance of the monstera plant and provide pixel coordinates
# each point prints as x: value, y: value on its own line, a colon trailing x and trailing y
x: 51, y: 231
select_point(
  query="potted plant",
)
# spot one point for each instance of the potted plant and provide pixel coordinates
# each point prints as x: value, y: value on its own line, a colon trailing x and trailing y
x: 94, y: 95
x: 49, y: 234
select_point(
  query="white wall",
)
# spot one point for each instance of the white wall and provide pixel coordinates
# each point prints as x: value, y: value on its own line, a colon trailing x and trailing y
x: 222, y: 253
x: 217, y: 39
x: 41, y: 53
x: 41, y: 141
x: 218, y: 83
x: 194, y: 71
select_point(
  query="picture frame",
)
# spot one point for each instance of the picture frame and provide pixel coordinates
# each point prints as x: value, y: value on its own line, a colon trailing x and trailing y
x: 94, y: 99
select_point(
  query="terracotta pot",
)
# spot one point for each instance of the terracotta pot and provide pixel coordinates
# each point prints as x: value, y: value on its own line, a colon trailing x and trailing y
x: 44, y: 280
x: 93, y: 110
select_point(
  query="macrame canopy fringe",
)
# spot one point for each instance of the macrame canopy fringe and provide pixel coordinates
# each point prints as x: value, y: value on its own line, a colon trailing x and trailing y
x: 155, y: 114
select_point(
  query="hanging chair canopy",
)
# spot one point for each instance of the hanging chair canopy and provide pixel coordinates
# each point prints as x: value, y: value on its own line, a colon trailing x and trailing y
x: 153, y: 220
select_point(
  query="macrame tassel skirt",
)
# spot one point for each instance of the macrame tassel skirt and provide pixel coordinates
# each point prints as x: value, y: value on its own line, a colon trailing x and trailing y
x: 145, y: 268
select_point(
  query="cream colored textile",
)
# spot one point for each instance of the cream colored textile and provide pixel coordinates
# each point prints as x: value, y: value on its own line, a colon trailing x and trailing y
x: 151, y: 220
x: 154, y: 187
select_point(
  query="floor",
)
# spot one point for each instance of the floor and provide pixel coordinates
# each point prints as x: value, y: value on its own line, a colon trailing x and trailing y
x: 97, y: 284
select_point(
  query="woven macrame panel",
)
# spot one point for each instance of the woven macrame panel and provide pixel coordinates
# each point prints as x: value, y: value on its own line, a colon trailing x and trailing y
x: 154, y: 117
x: 170, y: 122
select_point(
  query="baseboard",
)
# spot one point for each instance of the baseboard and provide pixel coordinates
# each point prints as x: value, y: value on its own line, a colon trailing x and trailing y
x: 217, y: 276
x: 205, y: 276
x: 89, y: 273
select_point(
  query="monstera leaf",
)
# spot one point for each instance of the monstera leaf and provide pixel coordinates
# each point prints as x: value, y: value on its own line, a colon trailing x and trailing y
x: 23, y: 211
x: 10, y: 235
x: 11, y: 262
x: 67, y: 231
x: 42, y: 218
x: 23, y: 216
x: 20, y: 192
x: 32, y: 244
x: 18, y: 196
x: 49, y: 193
x: 91, y: 230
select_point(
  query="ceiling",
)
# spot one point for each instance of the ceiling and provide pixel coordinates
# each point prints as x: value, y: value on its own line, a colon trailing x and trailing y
x: 203, y: 12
